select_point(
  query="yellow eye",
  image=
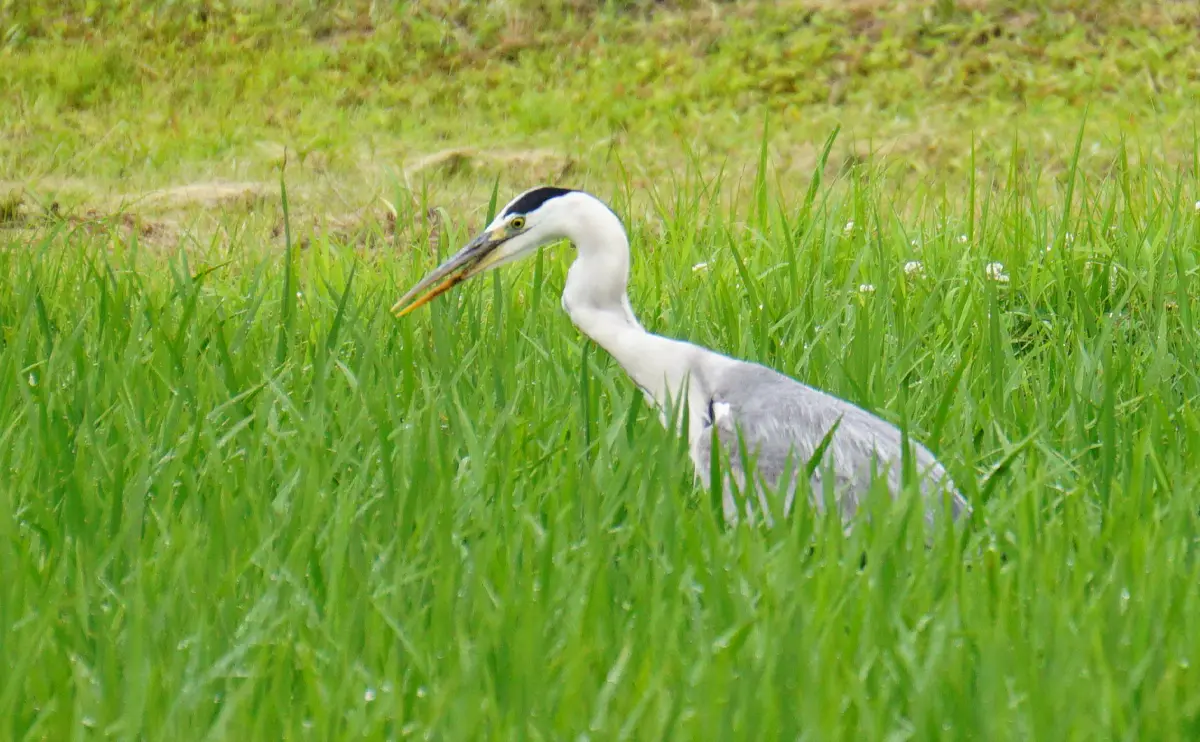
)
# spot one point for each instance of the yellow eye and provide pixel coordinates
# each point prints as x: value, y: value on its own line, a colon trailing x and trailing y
x: 517, y: 222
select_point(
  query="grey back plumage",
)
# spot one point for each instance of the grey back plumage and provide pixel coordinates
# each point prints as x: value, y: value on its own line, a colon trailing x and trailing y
x: 783, y: 423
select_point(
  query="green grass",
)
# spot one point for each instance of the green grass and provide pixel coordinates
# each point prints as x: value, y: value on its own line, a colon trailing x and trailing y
x: 105, y: 101
x: 239, y: 500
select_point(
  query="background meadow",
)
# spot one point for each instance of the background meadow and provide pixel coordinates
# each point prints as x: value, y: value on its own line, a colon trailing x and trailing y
x: 242, y: 501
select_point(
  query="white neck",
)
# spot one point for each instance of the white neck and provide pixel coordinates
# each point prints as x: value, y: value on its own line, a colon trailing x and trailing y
x: 595, y: 297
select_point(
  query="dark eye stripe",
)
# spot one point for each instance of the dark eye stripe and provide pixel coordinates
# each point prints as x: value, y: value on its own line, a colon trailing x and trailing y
x: 532, y: 199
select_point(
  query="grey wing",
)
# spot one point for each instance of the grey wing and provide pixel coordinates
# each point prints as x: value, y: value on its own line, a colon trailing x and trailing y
x: 783, y: 423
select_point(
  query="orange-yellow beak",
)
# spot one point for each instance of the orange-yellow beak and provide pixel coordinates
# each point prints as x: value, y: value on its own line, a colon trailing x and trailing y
x: 467, y: 262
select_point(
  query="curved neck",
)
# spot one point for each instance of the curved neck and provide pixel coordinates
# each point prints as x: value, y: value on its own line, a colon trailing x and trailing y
x: 596, y: 299
x: 596, y: 293
x: 598, y: 280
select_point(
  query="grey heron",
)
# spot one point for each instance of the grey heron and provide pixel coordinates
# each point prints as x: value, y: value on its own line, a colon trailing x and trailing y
x: 751, y: 408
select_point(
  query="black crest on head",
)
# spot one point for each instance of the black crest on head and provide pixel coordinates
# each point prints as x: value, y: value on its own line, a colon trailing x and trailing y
x: 532, y: 199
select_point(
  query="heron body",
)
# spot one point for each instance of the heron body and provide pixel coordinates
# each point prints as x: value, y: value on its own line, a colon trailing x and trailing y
x: 780, y: 422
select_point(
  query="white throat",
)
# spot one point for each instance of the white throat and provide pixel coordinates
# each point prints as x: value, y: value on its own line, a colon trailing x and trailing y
x: 596, y: 299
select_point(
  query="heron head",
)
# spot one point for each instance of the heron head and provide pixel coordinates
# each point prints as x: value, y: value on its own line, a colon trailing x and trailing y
x: 533, y: 219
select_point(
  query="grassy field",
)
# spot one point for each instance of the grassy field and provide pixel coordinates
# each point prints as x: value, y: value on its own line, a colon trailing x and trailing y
x: 239, y: 500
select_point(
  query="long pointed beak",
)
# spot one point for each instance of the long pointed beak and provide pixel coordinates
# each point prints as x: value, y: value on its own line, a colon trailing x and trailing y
x: 459, y: 267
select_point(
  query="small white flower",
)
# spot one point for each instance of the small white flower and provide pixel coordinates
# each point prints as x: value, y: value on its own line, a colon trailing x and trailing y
x: 849, y: 227
x: 699, y: 267
x: 1070, y: 238
x: 995, y: 272
x: 1198, y: 207
x: 866, y: 288
x: 915, y: 244
x: 962, y: 239
x: 369, y: 695
x: 914, y: 268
